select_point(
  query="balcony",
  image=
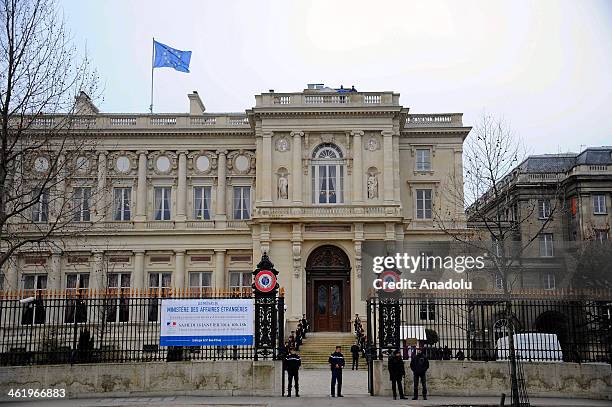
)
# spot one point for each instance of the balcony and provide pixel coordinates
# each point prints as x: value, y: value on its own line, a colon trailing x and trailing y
x: 363, y: 212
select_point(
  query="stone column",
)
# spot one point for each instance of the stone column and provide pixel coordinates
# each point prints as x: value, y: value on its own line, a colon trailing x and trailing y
x: 258, y: 176
x: 396, y: 168
x: 358, y: 174
x: 220, y: 269
x: 58, y: 197
x: 141, y: 194
x: 96, y: 280
x: 179, y: 269
x: 54, y: 277
x: 100, y: 200
x: 221, y: 212
x: 181, y: 191
x: 297, y: 281
x: 266, y: 180
x: 296, y: 169
x: 139, y: 279
x: 388, y: 166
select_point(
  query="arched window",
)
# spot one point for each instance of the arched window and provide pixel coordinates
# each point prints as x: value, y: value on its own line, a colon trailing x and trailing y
x: 327, y: 174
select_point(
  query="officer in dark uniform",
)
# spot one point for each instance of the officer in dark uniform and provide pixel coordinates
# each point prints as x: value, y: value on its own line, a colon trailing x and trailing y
x: 336, y: 363
x: 292, y: 365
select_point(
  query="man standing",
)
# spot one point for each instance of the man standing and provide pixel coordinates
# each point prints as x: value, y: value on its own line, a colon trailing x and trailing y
x: 397, y: 373
x: 336, y: 362
x: 355, y: 353
x: 292, y: 365
x: 419, y: 365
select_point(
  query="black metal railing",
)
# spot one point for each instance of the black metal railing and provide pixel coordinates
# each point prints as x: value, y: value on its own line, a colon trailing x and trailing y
x: 84, y: 326
x: 571, y: 328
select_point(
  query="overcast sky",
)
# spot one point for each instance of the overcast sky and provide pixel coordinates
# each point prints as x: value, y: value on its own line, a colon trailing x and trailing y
x: 545, y: 66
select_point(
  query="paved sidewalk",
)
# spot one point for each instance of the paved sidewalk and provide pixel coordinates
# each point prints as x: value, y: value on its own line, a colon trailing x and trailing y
x: 312, y: 401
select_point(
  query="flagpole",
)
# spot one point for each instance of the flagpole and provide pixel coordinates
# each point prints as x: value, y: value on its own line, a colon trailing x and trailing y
x: 152, y: 63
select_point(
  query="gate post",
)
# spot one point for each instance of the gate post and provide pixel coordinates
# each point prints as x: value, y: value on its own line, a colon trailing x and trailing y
x: 265, y: 289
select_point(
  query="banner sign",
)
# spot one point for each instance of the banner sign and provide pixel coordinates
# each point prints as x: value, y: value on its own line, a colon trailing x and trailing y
x: 207, y: 322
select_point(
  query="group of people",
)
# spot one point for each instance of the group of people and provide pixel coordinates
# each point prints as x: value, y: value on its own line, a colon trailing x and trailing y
x: 296, y: 338
x: 291, y: 360
x: 418, y: 364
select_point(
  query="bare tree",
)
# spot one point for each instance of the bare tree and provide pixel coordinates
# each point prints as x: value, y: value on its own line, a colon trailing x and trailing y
x: 44, y: 110
x: 501, y: 226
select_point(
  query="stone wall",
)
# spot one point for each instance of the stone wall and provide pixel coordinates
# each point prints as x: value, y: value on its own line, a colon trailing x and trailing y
x: 214, y: 378
x: 455, y: 378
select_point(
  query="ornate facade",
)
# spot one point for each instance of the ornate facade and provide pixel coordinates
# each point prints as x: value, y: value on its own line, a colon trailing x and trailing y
x: 192, y: 200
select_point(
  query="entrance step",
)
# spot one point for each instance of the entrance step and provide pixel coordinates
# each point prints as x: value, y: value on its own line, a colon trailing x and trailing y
x: 317, y: 347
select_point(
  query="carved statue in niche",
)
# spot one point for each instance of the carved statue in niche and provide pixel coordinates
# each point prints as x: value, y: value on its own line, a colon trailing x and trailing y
x: 283, y: 185
x: 372, y: 185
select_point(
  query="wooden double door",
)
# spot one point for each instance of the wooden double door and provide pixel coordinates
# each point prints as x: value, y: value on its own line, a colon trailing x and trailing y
x: 328, y: 305
x: 328, y: 299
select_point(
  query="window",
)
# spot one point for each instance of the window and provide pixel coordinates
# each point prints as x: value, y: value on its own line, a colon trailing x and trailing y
x: 240, y: 280
x: 242, y: 202
x: 599, y: 204
x: 201, y: 203
x: 34, y: 312
x: 423, y: 159
x: 81, y: 201
x: 601, y: 236
x: 118, y: 309
x: 427, y: 311
x: 200, y: 281
x: 546, y: 245
x: 121, y: 205
x: 544, y: 208
x: 549, y: 281
x: 499, y: 281
x: 160, y: 281
x: 327, y: 174
x: 40, y: 210
x: 423, y: 203
x: 162, y: 197
x: 76, y: 307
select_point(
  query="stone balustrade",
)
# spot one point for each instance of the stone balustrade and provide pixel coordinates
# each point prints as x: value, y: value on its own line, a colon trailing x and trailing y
x: 328, y: 211
x: 327, y: 98
x: 435, y: 120
x: 138, y: 121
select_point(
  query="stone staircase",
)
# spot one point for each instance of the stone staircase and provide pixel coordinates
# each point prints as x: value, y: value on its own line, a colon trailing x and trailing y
x: 317, y: 347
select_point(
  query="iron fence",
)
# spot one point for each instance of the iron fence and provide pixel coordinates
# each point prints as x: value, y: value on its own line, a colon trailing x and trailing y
x: 571, y: 328
x: 85, y: 326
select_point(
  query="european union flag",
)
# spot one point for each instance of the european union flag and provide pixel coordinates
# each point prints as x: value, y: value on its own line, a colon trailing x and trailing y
x: 170, y: 57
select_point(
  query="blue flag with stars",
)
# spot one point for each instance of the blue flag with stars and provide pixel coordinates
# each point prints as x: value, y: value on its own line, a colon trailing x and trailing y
x: 166, y: 56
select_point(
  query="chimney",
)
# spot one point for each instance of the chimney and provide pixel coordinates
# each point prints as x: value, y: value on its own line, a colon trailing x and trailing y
x: 196, y: 107
x: 84, y: 105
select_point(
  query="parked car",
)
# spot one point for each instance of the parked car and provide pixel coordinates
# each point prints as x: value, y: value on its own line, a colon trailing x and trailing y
x: 532, y: 346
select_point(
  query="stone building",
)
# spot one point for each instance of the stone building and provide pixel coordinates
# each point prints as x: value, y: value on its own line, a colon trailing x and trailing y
x: 569, y: 192
x: 192, y: 200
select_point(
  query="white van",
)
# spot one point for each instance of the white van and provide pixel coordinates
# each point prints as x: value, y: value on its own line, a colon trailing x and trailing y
x: 533, y: 346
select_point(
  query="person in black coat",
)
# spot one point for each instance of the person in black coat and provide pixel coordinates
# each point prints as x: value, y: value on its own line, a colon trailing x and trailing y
x: 397, y: 373
x: 355, y: 353
x: 336, y: 363
x: 419, y: 365
x: 292, y: 365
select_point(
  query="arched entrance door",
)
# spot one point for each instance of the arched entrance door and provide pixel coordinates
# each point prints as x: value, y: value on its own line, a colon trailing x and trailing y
x: 328, y: 289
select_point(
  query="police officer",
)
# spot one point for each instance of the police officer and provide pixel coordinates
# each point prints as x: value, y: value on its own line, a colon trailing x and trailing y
x: 419, y: 365
x: 396, y: 374
x: 292, y: 365
x: 336, y: 363
x: 355, y: 353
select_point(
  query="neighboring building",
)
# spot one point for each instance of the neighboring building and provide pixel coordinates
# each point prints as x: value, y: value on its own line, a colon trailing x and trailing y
x: 192, y: 200
x: 572, y: 192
